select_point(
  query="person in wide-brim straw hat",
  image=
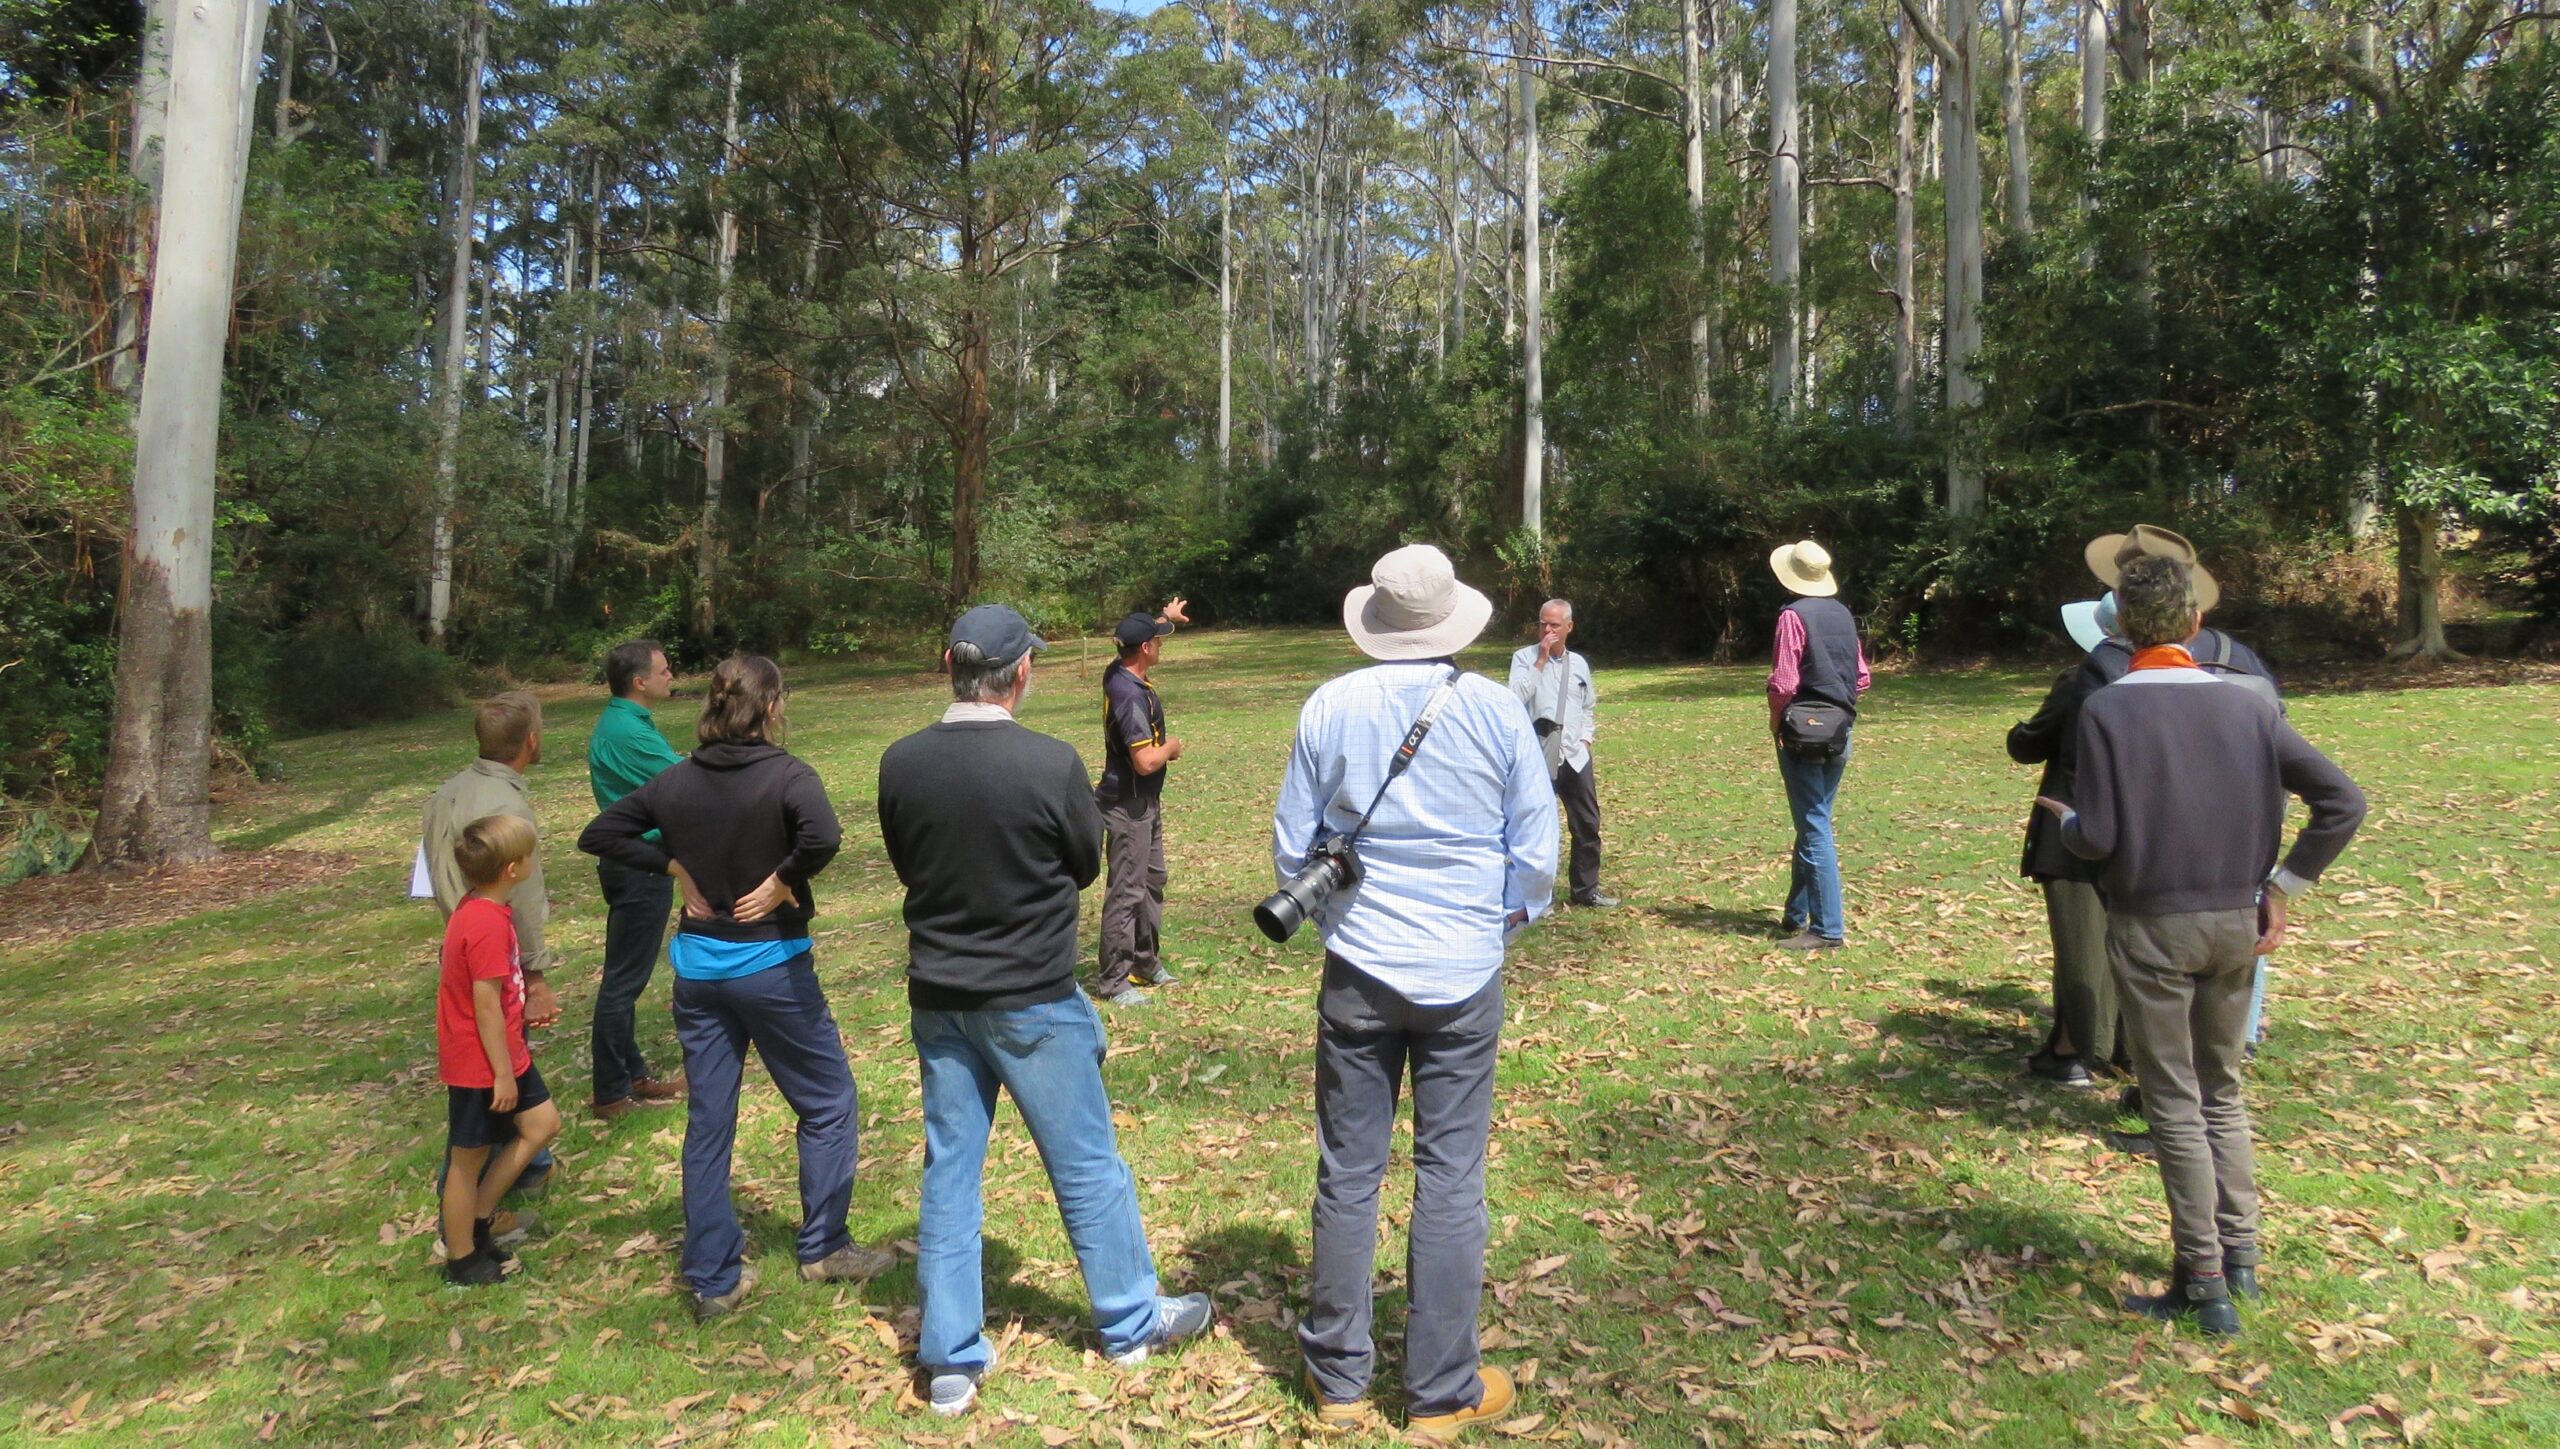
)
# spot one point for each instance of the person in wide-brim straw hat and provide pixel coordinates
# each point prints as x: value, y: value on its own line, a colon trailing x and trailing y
x: 1805, y: 568
x: 2108, y: 553
x: 1413, y: 607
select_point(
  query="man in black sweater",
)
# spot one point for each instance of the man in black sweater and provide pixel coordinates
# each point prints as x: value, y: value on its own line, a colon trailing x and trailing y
x: 2180, y: 800
x: 993, y: 831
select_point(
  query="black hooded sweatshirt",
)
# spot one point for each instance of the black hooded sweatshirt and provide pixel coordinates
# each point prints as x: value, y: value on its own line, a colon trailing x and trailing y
x: 734, y: 813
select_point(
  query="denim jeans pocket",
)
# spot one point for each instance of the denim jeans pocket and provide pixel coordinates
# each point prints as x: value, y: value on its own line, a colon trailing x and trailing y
x: 1026, y: 1029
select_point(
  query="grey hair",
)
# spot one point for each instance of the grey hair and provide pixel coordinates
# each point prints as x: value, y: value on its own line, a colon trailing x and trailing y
x: 1564, y: 604
x: 978, y: 682
x: 2156, y: 602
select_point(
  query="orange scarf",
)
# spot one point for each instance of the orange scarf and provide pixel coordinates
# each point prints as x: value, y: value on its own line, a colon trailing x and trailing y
x: 2164, y: 656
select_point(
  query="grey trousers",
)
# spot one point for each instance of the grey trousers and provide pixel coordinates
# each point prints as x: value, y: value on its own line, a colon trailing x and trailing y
x: 2183, y: 982
x: 1367, y: 1039
x: 2084, y: 984
x: 1132, y: 892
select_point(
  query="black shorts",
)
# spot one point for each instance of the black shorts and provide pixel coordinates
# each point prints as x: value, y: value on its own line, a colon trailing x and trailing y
x: 470, y: 1124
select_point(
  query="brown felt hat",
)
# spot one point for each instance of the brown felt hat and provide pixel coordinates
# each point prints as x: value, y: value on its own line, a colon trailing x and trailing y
x: 2109, y: 553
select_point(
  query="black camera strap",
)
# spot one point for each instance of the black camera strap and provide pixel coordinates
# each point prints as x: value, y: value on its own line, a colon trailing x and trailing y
x: 1412, y: 741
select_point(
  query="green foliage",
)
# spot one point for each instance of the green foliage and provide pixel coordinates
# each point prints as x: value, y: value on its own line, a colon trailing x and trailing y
x: 39, y: 847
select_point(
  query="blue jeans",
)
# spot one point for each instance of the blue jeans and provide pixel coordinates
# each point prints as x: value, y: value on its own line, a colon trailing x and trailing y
x: 1049, y: 1058
x: 781, y: 1012
x: 1813, y: 894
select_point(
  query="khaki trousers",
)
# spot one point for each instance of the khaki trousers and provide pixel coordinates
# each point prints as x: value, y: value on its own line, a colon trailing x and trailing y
x: 2182, y: 982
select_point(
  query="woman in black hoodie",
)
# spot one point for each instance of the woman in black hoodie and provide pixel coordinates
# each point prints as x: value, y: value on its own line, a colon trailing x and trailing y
x: 743, y: 825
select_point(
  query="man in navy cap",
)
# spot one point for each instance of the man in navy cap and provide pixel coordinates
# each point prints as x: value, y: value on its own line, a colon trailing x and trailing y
x: 1135, y: 751
x: 993, y: 832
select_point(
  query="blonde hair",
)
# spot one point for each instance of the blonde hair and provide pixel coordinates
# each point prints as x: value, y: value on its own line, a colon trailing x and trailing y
x: 488, y: 845
x: 505, y: 722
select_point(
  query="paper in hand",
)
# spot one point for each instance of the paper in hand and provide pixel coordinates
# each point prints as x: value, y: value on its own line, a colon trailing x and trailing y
x: 422, y: 886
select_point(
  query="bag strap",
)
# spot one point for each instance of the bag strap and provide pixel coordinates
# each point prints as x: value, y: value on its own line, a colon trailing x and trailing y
x: 2221, y: 650
x: 1412, y: 741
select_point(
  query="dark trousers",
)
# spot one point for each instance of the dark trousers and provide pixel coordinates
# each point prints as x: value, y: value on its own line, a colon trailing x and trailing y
x: 1579, y: 794
x: 1132, y: 893
x: 635, y: 926
x: 781, y: 1012
x: 2084, y: 985
x: 1367, y: 1039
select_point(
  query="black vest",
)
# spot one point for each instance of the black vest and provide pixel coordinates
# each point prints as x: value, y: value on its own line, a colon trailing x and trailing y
x: 1830, y: 669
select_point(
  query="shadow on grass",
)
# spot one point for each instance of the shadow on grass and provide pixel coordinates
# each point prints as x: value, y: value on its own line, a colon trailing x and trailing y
x: 278, y: 832
x: 1257, y: 1276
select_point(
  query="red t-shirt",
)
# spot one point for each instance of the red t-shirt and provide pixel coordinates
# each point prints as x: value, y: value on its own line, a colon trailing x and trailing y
x: 479, y: 945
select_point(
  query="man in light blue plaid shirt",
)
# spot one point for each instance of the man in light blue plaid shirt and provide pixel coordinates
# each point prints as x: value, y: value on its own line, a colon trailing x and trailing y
x: 1460, y: 853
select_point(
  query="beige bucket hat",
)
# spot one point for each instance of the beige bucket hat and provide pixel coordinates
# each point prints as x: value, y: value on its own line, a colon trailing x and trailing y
x: 1413, y: 607
x: 1805, y: 568
x: 2109, y: 553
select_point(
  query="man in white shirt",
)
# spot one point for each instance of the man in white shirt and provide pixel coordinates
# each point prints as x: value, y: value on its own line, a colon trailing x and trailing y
x: 1554, y: 684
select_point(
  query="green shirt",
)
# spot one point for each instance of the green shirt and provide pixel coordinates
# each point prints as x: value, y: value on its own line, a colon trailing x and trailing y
x: 626, y: 751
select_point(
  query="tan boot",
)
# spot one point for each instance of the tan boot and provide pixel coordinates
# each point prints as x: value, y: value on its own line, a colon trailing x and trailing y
x: 1499, y: 1395
x: 1344, y: 1416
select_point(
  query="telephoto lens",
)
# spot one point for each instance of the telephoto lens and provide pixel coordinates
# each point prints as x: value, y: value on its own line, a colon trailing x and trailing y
x: 1328, y: 871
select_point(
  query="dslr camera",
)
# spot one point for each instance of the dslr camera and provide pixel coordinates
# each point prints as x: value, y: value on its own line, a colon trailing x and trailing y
x: 1331, y: 866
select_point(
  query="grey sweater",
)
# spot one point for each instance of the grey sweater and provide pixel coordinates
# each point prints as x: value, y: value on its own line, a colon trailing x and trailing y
x: 2180, y: 795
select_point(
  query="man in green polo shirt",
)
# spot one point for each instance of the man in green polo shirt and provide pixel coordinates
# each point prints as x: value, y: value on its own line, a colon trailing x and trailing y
x: 626, y: 753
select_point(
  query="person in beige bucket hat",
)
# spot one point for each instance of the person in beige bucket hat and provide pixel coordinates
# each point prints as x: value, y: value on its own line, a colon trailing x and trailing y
x: 2108, y: 553
x: 1458, y: 855
x: 1818, y: 671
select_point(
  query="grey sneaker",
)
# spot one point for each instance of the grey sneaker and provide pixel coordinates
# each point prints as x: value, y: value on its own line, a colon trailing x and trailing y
x: 851, y: 1263
x: 707, y: 1309
x: 952, y: 1391
x: 1125, y: 996
x: 1177, y: 1319
x: 1808, y: 941
x: 1157, y: 975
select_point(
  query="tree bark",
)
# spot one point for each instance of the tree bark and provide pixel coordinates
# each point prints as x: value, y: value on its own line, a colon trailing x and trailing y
x: 154, y: 808
x: 1533, y: 444
x: 1786, y: 209
x: 2013, y: 114
x: 586, y: 372
x: 143, y: 163
x: 715, y: 436
x: 1954, y: 52
x: 2421, y: 581
x: 455, y: 345
x: 1906, y: 295
x: 1226, y: 265
x: 1693, y: 136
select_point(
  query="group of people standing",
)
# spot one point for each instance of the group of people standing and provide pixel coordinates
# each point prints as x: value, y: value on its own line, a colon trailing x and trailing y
x: 2163, y: 794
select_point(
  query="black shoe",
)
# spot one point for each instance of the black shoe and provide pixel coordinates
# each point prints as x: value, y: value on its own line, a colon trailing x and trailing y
x: 2060, y: 1070
x: 2242, y: 1279
x: 1808, y: 941
x: 478, y: 1270
x: 2204, y: 1301
x: 2129, y: 1102
x: 1596, y: 901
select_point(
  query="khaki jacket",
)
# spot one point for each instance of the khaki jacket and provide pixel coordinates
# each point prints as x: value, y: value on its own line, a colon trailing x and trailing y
x: 484, y: 788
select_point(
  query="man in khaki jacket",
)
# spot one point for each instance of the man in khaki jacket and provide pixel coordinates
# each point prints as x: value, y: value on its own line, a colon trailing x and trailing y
x: 509, y: 728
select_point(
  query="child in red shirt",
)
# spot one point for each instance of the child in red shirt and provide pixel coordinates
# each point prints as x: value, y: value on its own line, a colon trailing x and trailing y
x: 487, y: 1068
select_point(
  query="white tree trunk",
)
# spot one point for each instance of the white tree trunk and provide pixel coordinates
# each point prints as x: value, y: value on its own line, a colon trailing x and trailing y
x: 1693, y: 122
x: 143, y: 162
x: 1226, y: 266
x: 1533, y: 443
x: 2013, y: 114
x: 715, y: 435
x: 586, y: 372
x: 1906, y: 294
x: 1957, y: 87
x: 457, y: 308
x: 1786, y: 208
x: 154, y: 808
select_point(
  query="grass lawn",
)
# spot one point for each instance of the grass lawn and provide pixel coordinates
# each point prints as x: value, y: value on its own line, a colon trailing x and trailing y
x: 1738, y: 1198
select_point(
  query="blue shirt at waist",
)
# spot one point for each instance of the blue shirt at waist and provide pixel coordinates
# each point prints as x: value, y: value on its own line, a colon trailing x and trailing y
x: 708, y: 958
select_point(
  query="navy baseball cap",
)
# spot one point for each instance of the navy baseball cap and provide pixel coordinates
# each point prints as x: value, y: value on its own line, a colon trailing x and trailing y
x: 992, y: 634
x: 1137, y: 629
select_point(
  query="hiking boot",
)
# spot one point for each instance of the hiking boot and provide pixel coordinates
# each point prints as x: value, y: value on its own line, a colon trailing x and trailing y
x: 1155, y: 975
x: 478, y: 1270
x: 1809, y: 941
x: 2203, y: 1299
x: 655, y: 1090
x: 1177, y: 1319
x: 1125, y: 996
x: 706, y: 1309
x: 618, y: 1108
x: 2242, y: 1279
x: 1340, y: 1416
x: 1596, y: 901
x: 851, y: 1263
x: 1498, y: 1397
